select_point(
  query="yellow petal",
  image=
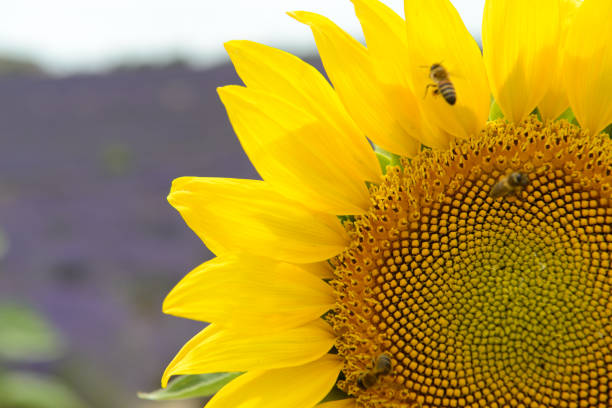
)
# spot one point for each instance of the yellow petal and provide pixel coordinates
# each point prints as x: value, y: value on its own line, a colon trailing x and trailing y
x: 216, y: 349
x: 295, y: 152
x: 295, y: 387
x: 288, y: 77
x: 588, y: 65
x: 344, y: 403
x: 387, y: 47
x: 321, y: 270
x: 436, y: 35
x: 351, y: 71
x: 250, y: 294
x: 249, y: 216
x: 520, y: 41
x: 385, y: 35
x: 555, y: 102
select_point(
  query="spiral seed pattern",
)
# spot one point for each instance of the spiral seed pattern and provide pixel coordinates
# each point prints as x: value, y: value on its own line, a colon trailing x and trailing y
x: 481, y: 301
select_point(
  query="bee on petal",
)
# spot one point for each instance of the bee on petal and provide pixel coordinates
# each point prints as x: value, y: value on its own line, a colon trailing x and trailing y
x: 441, y: 84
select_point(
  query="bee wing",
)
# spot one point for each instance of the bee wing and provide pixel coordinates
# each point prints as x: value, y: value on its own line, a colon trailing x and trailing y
x: 453, y: 74
x: 498, y: 189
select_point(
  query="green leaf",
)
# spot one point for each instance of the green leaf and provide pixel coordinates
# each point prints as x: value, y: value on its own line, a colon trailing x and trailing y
x: 335, y: 394
x: 190, y: 386
x: 386, y: 158
x: 495, y: 111
x: 568, y: 115
x: 608, y: 130
x: 28, y: 390
x: 26, y: 336
x: 536, y: 111
x: 346, y: 218
x: 383, y: 161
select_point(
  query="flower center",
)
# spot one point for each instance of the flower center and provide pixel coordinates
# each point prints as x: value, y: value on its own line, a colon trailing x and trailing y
x: 482, y: 275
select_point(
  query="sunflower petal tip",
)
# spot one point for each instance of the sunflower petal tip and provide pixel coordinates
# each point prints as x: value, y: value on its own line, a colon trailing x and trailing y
x: 298, y: 15
x: 233, y: 47
x: 230, y: 45
x: 235, y: 43
x: 175, y: 202
x: 172, y: 302
x: 167, y: 305
x: 165, y: 378
x: 177, y: 185
x: 305, y: 17
x: 174, y: 197
x: 227, y: 90
x: 221, y: 91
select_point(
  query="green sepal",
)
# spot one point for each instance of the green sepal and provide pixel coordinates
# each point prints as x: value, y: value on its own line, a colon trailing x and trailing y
x: 396, y: 161
x: 608, y: 130
x: 23, y: 389
x: 386, y: 158
x: 346, y: 218
x: 568, y: 115
x: 335, y: 394
x: 383, y: 161
x: 25, y: 336
x: 536, y: 112
x: 190, y: 386
x: 571, y: 118
x: 495, y: 111
x: 424, y: 149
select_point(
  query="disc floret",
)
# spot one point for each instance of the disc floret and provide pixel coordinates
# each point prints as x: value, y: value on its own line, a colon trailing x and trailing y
x: 484, y: 299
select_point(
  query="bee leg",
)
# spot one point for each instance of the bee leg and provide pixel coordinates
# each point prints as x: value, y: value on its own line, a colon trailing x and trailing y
x: 435, y: 91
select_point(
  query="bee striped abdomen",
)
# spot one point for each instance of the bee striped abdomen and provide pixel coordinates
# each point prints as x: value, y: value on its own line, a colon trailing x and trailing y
x: 447, y: 90
x: 442, y: 84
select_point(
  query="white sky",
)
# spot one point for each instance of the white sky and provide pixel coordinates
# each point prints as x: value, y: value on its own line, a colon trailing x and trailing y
x: 76, y: 35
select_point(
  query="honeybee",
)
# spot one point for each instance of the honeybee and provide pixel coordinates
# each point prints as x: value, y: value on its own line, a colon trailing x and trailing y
x: 382, y: 366
x: 441, y: 83
x: 509, y: 184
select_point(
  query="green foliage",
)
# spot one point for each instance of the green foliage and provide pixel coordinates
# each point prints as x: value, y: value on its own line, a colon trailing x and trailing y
x: 28, y: 390
x: 495, y: 111
x: 608, y: 130
x: 386, y: 158
x: 27, y: 337
x: 190, y: 386
x: 335, y: 394
x: 346, y: 218
x: 568, y: 115
x: 383, y: 161
x: 536, y: 112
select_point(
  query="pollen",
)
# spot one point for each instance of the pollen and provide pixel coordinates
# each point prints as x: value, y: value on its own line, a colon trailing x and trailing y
x: 482, y: 300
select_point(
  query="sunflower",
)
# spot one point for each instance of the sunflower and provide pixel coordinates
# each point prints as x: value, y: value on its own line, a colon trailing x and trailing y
x: 464, y: 260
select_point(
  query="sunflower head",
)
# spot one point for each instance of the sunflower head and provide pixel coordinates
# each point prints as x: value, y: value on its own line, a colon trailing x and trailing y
x: 462, y: 262
x: 476, y: 298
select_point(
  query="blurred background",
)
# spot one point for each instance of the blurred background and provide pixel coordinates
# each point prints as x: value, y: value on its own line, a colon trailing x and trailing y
x: 102, y: 104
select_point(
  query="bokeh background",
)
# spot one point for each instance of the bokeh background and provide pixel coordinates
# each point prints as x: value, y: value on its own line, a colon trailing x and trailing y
x: 101, y: 106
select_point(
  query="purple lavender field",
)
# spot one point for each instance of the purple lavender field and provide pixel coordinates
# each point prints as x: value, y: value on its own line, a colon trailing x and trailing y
x: 85, y: 165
